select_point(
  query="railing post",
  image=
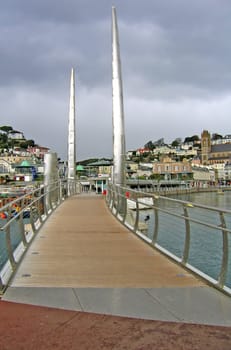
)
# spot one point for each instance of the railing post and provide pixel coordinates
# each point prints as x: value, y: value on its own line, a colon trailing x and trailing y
x: 137, y: 216
x: 109, y: 195
x: 225, y: 256
x: 156, y: 218
x: 117, y: 200
x: 1, y: 285
x: 60, y: 191
x: 32, y: 224
x: 124, y: 206
x: 21, y: 224
x: 113, y: 198
x: 45, y: 202
x: 9, y: 245
x: 187, y: 237
x: 38, y: 207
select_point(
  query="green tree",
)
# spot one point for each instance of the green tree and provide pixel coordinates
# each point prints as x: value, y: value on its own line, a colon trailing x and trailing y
x: 191, y: 139
x: 149, y: 145
x: 3, y: 138
x: 30, y: 143
x: 216, y: 137
x: 6, y: 128
x: 175, y: 143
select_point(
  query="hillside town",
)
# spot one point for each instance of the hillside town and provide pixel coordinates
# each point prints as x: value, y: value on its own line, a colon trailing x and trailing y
x: 198, y: 160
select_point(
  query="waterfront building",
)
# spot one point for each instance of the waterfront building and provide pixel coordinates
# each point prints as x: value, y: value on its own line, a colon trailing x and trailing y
x: 25, y: 171
x: 8, y: 163
x: 227, y: 173
x: 203, y: 174
x: 102, y: 167
x: 20, y: 168
x: 168, y: 169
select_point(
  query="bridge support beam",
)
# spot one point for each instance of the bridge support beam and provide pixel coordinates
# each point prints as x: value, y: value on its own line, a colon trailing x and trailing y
x: 119, y: 152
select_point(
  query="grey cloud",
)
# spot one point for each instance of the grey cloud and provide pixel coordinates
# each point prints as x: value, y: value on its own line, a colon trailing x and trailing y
x: 175, y: 63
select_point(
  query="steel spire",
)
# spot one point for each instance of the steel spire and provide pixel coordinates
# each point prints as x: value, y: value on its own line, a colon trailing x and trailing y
x: 119, y: 171
x: 71, y: 173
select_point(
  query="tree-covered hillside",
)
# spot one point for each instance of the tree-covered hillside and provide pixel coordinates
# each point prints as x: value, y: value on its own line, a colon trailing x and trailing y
x: 7, y: 141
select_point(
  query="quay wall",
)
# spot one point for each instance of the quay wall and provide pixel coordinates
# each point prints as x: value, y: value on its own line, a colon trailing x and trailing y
x: 176, y: 191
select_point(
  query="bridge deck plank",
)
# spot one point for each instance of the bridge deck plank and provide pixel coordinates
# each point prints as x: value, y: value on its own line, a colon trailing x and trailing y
x: 83, y: 245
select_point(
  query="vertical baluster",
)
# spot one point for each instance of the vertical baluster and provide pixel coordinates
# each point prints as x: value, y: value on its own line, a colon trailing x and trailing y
x: 38, y: 206
x: 31, y: 216
x: 137, y: 216
x: 117, y: 200
x: 225, y: 256
x: 187, y: 237
x: 156, y: 218
x: 20, y: 222
x: 124, y: 205
x: 1, y: 285
x: 9, y: 243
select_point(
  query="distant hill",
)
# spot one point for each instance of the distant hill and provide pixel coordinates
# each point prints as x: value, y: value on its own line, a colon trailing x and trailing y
x: 10, y: 138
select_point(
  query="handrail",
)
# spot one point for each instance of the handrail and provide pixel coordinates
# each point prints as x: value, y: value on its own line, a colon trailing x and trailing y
x: 185, y: 219
x: 17, y: 231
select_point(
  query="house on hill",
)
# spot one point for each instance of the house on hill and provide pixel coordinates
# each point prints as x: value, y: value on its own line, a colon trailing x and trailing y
x: 38, y: 151
x: 16, y: 135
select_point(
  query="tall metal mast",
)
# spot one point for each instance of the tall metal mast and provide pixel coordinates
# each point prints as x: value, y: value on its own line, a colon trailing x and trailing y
x: 119, y: 171
x: 71, y: 171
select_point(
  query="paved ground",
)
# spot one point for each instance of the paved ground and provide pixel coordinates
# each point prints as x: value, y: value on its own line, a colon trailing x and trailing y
x: 25, y: 327
x: 90, y: 270
x: 188, y: 304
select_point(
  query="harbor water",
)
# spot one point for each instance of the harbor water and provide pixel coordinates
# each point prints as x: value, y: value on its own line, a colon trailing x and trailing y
x: 206, y: 244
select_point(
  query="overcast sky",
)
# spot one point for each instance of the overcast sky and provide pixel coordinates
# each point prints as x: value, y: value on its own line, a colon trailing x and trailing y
x: 176, y: 67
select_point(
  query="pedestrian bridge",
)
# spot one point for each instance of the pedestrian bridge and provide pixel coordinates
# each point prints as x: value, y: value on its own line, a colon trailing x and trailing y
x: 78, y: 256
x: 96, y: 247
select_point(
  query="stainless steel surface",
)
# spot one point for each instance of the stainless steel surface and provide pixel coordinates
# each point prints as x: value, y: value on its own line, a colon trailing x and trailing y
x: 50, y: 175
x: 71, y: 131
x: 117, y: 108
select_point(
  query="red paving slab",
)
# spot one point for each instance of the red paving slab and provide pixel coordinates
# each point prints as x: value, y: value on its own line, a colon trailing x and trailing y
x: 26, y: 327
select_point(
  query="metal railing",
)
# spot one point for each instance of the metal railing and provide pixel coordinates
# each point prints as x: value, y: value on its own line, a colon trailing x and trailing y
x: 196, y: 236
x: 22, y: 218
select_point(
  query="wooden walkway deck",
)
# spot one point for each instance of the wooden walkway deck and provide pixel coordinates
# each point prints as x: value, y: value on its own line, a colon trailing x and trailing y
x: 83, y: 245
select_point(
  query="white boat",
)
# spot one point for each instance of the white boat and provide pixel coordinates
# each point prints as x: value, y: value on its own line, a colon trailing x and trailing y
x: 220, y: 192
x: 144, y: 203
